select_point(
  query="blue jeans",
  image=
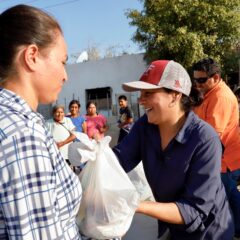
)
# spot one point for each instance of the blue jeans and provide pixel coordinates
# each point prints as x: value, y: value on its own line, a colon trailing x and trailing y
x: 229, y: 180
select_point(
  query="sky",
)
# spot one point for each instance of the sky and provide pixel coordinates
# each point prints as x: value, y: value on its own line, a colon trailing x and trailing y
x: 90, y: 23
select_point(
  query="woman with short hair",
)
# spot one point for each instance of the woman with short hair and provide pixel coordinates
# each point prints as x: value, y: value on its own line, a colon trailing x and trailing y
x: 61, y: 129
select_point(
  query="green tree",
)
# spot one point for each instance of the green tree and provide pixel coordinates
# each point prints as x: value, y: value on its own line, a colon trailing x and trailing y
x: 186, y: 30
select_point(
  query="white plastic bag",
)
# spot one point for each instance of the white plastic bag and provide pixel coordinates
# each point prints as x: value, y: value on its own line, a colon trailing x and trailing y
x: 138, y: 178
x: 109, y: 198
x: 81, y: 151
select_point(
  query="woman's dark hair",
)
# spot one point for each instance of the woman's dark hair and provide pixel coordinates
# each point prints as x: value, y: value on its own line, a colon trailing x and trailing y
x: 89, y: 103
x: 74, y: 101
x: 23, y: 25
x: 194, y: 99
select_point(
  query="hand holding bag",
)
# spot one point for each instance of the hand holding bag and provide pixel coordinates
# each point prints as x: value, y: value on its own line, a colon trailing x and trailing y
x: 109, y: 198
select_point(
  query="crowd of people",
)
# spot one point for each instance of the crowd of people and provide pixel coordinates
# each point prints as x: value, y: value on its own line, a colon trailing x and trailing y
x: 188, y: 140
x: 62, y: 126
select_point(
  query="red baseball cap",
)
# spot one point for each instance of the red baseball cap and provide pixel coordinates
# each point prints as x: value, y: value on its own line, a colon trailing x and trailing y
x: 162, y: 74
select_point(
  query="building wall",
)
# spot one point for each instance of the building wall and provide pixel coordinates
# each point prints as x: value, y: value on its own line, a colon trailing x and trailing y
x: 109, y: 72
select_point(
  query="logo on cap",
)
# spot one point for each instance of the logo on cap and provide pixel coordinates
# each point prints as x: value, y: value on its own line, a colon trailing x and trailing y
x: 177, y: 84
x: 147, y: 72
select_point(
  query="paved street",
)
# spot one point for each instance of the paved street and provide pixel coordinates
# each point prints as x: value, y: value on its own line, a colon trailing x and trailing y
x: 142, y: 228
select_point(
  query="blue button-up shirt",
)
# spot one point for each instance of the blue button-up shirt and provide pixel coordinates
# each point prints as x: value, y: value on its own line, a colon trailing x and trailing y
x: 187, y: 172
x: 39, y: 194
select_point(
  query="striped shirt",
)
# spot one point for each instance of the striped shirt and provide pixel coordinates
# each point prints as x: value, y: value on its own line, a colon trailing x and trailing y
x: 39, y: 194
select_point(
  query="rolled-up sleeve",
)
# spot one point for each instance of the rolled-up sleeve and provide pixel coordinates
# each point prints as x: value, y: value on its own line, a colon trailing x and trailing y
x: 201, y: 187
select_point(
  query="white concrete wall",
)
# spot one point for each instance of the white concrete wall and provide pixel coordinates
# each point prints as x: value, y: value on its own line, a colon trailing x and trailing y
x: 109, y: 72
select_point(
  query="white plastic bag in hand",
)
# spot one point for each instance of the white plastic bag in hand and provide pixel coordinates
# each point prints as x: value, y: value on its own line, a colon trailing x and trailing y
x: 82, y: 151
x: 138, y: 178
x: 109, y: 198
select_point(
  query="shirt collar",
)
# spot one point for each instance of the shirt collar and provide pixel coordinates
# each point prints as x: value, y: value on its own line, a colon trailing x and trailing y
x: 186, y: 130
x: 216, y: 87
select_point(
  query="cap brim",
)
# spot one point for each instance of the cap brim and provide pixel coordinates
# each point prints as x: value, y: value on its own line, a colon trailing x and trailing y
x: 138, y: 85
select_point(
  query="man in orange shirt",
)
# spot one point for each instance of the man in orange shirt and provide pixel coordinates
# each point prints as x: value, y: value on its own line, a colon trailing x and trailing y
x: 220, y: 109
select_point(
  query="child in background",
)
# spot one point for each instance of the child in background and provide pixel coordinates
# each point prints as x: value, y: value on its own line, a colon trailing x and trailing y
x: 125, y: 121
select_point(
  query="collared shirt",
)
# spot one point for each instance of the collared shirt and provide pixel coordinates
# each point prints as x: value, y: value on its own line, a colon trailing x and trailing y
x: 220, y: 109
x: 39, y: 193
x: 186, y: 172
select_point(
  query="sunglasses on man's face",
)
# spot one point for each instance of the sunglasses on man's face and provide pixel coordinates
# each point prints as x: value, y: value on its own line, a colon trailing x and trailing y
x: 200, y: 80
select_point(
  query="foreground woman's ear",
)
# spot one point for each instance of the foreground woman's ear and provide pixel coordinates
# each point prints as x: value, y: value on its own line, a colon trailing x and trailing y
x: 31, y: 55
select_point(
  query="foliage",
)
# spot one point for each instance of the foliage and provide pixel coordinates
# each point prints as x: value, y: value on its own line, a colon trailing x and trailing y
x: 186, y: 30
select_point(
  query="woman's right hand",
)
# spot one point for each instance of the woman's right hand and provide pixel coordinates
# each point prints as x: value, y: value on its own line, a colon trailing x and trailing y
x: 96, y: 136
x: 60, y: 144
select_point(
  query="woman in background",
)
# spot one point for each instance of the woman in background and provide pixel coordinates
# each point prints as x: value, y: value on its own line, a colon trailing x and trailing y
x: 40, y: 195
x: 96, y: 123
x: 78, y: 120
x: 61, y: 129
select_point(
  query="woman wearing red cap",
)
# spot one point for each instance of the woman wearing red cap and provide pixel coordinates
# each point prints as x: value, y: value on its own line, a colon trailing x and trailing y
x: 181, y: 156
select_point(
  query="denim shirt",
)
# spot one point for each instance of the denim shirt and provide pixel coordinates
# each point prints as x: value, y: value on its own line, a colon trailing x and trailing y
x: 186, y: 172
